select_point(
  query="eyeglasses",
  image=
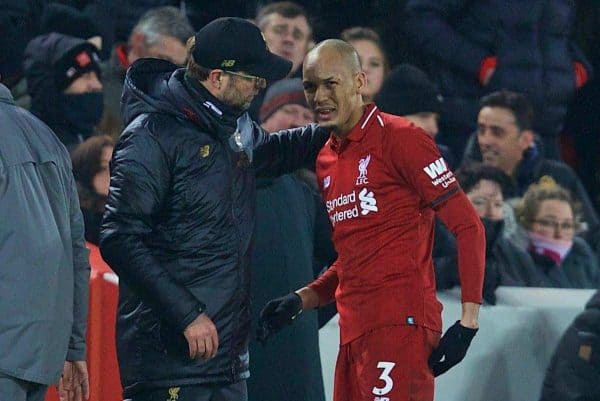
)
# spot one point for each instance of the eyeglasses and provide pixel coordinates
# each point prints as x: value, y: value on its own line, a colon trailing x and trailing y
x: 259, y: 83
x: 555, y: 225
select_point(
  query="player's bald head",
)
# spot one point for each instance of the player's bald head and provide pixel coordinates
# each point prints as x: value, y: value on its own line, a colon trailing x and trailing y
x: 335, y: 51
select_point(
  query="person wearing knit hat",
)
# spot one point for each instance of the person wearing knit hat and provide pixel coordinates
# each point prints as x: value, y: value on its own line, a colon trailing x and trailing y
x: 63, y: 80
x: 408, y: 92
x: 284, y: 106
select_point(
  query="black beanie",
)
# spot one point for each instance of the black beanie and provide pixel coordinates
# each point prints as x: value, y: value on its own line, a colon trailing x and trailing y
x: 74, y: 63
x: 408, y: 90
x: 69, y: 21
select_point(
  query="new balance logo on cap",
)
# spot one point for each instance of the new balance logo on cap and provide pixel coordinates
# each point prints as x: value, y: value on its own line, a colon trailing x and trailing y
x: 436, y: 168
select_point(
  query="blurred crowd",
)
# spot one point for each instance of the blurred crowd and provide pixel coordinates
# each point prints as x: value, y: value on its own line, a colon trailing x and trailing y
x: 508, y: 90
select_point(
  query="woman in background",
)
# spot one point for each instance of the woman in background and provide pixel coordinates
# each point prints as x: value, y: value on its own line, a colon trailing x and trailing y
x: 549, y: 216
x: 90, y: 168
x: 372, y: 58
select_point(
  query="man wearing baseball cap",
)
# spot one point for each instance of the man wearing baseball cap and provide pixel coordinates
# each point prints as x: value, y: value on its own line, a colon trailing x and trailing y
x: 180, y: 213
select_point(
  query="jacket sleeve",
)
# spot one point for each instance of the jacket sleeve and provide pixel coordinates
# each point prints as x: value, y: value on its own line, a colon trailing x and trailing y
x: 324, y: 250
x: 460, y: 218
x: 428, y: 26
x: 287, y: 150
x: 140, y: 181
x: 81, y: 277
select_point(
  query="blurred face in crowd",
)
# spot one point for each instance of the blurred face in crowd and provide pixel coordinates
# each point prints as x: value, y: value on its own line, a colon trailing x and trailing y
x: 101, y: 180
x: 554, y: 220
x: 372, y: 61
x: 165, y: 48
x: 86, y: 83
x: 333, y: 86
x: 288, y: 116
x: 427, y: 121
x: 487, y: 200
x: 288, y: 37
x: 500, y: 139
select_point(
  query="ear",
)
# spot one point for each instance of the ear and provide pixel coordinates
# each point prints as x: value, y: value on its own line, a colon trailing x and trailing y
x: 137, y: 45
x: 526, y: 139
x: 361, y: 81
x: 215, y: 79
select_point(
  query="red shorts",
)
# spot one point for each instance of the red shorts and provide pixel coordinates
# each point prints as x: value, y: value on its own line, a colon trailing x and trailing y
x: 386, y: 364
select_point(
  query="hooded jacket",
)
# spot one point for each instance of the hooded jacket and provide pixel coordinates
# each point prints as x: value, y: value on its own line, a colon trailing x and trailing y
x: 41, y: 56
x: 179, y: 221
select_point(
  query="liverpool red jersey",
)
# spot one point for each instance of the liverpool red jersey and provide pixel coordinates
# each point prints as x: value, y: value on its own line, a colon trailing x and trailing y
x: 381, y: 185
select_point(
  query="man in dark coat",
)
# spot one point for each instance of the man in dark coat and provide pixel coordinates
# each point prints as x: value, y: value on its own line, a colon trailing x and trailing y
x: 505, y: 139
x: 574, y: 371
x: 180, y: 213
x: 292, y: 244
x: 477, y: 47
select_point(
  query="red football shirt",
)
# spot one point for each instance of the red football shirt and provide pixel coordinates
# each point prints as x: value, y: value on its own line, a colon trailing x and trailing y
x: 381, y: 185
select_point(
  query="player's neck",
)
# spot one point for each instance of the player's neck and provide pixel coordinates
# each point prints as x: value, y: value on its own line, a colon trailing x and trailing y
x: 342, y: 131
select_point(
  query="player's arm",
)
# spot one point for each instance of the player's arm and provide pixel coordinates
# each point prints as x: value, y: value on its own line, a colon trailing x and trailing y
x: 460, y: 218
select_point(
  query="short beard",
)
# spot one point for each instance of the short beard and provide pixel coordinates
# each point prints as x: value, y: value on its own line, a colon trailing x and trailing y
x: 230, y: 98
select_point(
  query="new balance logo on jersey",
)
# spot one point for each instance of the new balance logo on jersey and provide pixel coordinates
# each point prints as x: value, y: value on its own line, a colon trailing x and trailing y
x: 368, y: 203
x: 362, y: 171
x: 439, y: 173
x: 326, y: 182
x: 436, y: 168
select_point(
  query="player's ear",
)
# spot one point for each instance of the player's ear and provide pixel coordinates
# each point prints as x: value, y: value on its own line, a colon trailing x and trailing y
x: 360, y: 81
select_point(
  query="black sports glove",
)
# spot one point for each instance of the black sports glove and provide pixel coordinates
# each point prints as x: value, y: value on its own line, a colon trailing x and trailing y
x: 452, y: 348
x: 277, y: 313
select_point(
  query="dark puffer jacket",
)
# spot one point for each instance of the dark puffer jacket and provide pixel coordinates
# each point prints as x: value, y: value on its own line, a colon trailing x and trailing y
x: 574, y: 371
x: 179, y: 221
x: 530, y: 38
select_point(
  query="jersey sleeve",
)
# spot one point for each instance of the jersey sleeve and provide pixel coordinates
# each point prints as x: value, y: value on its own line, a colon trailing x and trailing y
x: 413, y: 155
x: 326, y: 284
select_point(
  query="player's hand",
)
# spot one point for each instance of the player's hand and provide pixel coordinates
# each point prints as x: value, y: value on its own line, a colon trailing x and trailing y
x: 451, y: 349
x: 74, y: 383
x: 277, y: 313
x: 202, y: 338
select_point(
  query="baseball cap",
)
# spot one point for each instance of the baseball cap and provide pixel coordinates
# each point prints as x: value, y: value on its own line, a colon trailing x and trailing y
x: 235, y: 44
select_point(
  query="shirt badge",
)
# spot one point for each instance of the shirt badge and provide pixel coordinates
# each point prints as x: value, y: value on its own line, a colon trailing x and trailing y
x: 362, y: 171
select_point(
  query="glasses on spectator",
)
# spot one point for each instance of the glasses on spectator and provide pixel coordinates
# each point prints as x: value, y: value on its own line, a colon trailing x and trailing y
x: 259, y: 83
x: 555, y: 225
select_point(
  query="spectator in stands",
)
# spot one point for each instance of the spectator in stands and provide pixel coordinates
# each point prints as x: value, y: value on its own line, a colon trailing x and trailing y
x: 287, y: 31
x: 549, y: 216
x: 44, y: 263
x: 505, y: 262
x: 408, y: 92
x: 574, y: 371
x: 291, y: 230
x: 475, y: 48
x: 373, y: 59
x: 90, y: 168
x: 160, y: 33
x: 63, y: 80
x: 505, y: 140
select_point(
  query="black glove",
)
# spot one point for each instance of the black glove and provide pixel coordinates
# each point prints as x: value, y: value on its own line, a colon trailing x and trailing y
x: 277, y: 313
x: 451, y: 349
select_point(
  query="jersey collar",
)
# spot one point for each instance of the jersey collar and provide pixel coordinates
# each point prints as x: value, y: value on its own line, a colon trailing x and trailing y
x: 358, y: 132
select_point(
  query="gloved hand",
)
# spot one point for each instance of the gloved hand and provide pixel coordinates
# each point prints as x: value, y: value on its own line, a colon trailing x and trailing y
x: 452, y: 348
x: 277, y: 313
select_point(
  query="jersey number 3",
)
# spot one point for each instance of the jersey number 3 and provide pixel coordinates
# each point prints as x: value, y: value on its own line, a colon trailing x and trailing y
x: 385, y: 377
